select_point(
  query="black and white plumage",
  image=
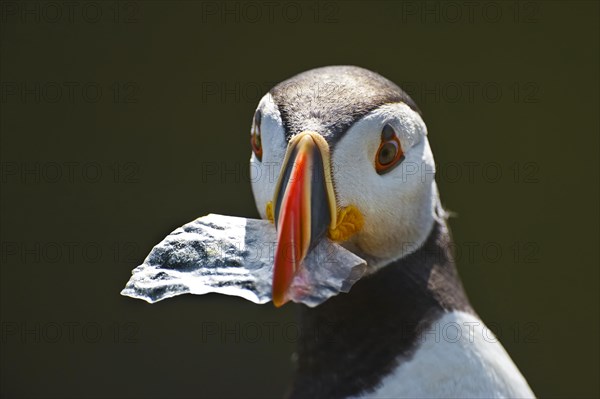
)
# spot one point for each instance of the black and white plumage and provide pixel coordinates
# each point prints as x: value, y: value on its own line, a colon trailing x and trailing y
x: 395, y: 333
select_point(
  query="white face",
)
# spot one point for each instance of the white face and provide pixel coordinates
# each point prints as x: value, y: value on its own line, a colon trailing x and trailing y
x: 264, y: 173
x: 398, y: 206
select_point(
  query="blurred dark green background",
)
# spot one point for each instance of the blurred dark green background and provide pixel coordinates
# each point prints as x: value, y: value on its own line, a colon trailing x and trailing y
x: 120, y: 121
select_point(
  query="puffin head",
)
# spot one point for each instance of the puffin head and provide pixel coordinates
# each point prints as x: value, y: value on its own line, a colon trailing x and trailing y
x: 341, y: 152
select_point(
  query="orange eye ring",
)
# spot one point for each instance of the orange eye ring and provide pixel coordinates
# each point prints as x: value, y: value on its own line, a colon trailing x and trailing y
x: 390, y: 154
x: 255, y: 136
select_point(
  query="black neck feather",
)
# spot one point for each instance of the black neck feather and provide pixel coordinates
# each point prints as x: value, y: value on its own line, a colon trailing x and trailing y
x: 349, y: 343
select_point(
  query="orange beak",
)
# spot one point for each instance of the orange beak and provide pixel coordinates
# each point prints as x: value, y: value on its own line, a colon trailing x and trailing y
x: 305, y: 207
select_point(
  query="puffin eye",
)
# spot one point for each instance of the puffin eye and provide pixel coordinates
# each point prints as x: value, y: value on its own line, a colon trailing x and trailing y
x: 389, y: 154
x: 255, y: 136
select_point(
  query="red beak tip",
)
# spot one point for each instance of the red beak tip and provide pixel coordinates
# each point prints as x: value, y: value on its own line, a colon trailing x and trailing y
x: 279, y: 301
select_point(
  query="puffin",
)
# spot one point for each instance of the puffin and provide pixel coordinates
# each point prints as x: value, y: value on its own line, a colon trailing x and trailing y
x: 355, y: 166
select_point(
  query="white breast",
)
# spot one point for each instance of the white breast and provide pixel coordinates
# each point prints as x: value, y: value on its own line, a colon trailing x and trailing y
x: 458, y: 357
